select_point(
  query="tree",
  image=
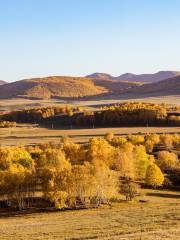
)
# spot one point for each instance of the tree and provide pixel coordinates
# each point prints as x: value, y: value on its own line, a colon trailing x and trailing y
x: 109, y: 136
x: 106, y: 184
x: 54, y: 174
x: 74, y: 152
x: 99, y: 149
x: 153, y: 138
x: 154, y: 176
x: 123, y: 162
x: 129, y: 189
x: 118, y: 141
x: 136, y: 139
x: 167, y: 140
x: 167, y: 160
x: 81, y: 186
x: 141, y: 161
x: 149, y: 146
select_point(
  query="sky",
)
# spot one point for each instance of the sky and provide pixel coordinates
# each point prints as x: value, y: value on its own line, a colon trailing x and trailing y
x: 79, y: 37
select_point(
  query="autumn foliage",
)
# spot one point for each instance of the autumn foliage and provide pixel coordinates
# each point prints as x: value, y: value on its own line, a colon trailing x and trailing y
x: 69, y: 175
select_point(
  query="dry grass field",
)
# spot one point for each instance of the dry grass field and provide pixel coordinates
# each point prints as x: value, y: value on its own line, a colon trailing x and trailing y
x: 25, y: 134
x: 20, y: 103
x: 158, y: 218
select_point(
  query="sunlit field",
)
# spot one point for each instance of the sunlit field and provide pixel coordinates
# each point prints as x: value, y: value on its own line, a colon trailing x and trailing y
x: 20, y: 103
x: 25, y: 134
x: 158, y: 218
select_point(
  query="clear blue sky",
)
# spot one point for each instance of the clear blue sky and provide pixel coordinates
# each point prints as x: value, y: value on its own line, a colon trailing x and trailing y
x: 78, y: 37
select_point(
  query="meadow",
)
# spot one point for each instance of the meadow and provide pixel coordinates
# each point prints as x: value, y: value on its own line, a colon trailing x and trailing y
x: 158, y: 218
x: 20, y: 103
x: 29, y: 134
x: 154, y: 214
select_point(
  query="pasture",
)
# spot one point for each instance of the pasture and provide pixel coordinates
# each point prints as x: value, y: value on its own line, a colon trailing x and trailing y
x: 20, y: 103
x: 28, y: 134
x: 158, y: 218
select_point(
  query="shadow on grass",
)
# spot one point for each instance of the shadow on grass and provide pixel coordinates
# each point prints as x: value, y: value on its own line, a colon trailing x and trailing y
x: 164, y: 195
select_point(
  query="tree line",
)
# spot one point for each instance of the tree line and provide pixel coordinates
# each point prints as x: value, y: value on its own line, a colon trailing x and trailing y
x: 123, y: 114
x: 69, y: 175
x: 39, y: 114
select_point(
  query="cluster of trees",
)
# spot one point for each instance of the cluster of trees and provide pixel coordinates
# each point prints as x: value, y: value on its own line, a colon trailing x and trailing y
x: 123, y: 114
x: 70, y: 175
x: 37, y: 115
x: 7, y: 124
x: 174, y: 120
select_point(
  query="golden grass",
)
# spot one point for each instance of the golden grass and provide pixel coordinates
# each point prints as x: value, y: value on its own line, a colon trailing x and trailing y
x: 25, y: 134
x: 159, y: 218
x: 20, y: 103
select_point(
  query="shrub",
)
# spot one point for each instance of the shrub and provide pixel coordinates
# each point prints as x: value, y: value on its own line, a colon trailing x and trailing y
x: 154, y: 176
x: 167, y: 160
x: 129, y: 189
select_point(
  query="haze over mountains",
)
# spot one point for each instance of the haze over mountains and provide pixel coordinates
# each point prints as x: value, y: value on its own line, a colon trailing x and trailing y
x: 2, y: 82
x: 170, y: 86
x: 95, y: 85
x: 142, y: 78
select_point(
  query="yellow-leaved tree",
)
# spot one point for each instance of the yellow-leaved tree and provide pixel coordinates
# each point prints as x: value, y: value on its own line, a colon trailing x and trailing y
x: 141, y: 161
x: 154, y: 176
x: 167, y: 160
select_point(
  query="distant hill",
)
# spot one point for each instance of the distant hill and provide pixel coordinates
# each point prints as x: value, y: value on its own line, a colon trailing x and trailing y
x: 148, y: 78
x: 2, y: 82
x: 77, y: 87
x: 114, y: 87
x: 102, y: 76
x: 166, y: 87
x: 141, y: 78
x: 62, y: 87
x: 51, y: 87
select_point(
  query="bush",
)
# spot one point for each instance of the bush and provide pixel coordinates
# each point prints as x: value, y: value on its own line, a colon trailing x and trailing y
x: 129, y: 189
x: 154, y: 176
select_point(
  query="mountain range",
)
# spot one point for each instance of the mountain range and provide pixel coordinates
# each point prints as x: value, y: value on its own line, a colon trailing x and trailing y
x: 170, y: 86
x: 142, y: 78
x: 95, y: 85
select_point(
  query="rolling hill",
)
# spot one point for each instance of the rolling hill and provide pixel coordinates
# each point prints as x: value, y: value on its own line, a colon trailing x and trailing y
x: 148, y: 78
x: 62, y: 87
x: 141, y: 78
x: 78, y: 87
x: 166, y: 87
x: 115, y: 87
x: 102, y: 76
x: 51, y: 87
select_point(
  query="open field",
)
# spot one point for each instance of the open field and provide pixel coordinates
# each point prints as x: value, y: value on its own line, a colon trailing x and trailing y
x: 20, y: 103
x: 159, y: 218
x: 25, y: 134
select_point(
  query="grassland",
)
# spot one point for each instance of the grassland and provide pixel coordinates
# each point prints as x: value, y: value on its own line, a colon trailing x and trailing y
x: 158, y: 218
x: 20, y: 103
x: 25, y: 134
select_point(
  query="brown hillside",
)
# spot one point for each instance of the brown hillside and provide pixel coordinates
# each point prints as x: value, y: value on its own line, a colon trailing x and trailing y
x: 166, y: 87
x: 141, y: 78
x: 115, y: 86
x: 49, y: 87
x: 62, y: 87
